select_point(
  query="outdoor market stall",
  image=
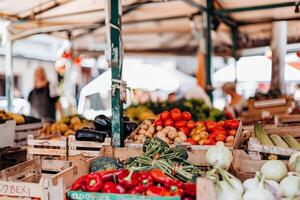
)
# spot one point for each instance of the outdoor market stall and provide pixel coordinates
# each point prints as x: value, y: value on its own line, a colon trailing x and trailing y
x: 84, y: 159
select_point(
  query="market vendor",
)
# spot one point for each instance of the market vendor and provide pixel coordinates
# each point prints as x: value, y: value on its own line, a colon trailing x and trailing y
x: 237, y: 102
x: 42, y: 98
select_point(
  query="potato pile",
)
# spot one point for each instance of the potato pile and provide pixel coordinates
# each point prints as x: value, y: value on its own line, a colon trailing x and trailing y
x: 64, y: 127
x: 168, y: 134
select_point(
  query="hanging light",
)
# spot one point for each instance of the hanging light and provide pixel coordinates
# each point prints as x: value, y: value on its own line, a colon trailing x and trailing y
x: 297, y: 10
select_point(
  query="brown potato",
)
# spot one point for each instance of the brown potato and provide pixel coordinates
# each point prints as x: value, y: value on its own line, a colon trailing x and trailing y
x: 178, y: 140
x: 142, y: 131
x: 182, y: 135
x: 148, y: 122
x: 151, y: 129
x: 144, y: 126
x: 159, y: 128
x: 172, y: 135
x: 160, y: 134
x: 148, y: 134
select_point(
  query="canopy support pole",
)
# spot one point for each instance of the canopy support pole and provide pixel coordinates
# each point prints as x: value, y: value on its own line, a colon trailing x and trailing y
x: 234, y: 35
x: 9, y: 77
x: 278, y: 45
x: 113, y: 20
x: 208, y: 46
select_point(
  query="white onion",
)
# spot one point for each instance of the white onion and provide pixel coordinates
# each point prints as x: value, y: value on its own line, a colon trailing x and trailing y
x: 219, y: 156
x: 290, y: 186
x: 294, y: 162
x: 274, y: 170
x: 226, y: 192
x: 258, y: 193
x: 251, y: 183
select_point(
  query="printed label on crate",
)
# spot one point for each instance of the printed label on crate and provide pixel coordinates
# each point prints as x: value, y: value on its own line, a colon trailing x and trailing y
x: 78, y: 195
x: 19, y: 189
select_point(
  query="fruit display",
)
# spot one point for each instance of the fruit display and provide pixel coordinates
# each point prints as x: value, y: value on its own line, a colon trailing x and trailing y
x: 197, y: 107
x: 139, y: 113
x: 147, y: 174
x: 20, y: 119
x: 64, y: 127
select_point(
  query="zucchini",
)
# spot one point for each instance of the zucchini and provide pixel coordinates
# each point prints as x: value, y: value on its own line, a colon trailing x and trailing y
x: 292, y: 142
x: 278, y: 141
x: 261, y: 135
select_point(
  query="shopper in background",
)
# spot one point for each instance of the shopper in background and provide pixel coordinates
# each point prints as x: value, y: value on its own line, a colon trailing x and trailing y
x: 237, y: 102
x: 43, y: 98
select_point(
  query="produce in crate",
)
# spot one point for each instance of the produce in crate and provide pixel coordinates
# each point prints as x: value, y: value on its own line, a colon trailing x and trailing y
x: 64, y: 127
x: 20, y: 119
x: 151, y: 174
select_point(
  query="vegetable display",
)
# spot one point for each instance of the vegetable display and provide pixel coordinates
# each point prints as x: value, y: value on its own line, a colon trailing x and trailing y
x: 159, y: 171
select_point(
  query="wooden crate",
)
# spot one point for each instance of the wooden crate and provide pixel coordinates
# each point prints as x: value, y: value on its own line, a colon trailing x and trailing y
x: 29, y: 179
x: 205, y: 189
x: 85, y: 148
x: 255, y: 148
x: 243, y: 166
x: 287, y: 120
x: 50, y: 149
x: 22, y: 132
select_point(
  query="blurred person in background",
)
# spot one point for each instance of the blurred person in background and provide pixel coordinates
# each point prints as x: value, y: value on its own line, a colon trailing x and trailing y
x: 237, y: 102
x: 43, y: 98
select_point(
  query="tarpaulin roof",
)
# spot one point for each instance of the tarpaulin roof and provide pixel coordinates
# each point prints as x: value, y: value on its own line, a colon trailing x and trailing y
x: 151, y: 25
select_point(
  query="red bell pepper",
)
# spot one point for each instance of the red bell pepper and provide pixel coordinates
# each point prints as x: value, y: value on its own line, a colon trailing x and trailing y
x: 93, y: 182
x: 79, y: 184
x: 110, y: 174
x: 137, y: 190
x: 159, y: 176
x: 190, y: 189
x: 129, y: 181
x: 146, y: 180
x: 109, y: 187
x: 176, y: 191
x: 120, y: 189
x: 157, y: 191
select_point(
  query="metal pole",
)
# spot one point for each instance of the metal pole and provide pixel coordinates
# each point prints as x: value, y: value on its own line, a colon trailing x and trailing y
x: 234, y: 35
x: 278, y: 45
x: 208, y: 46
x: 114, y: 42
x: 9, y: 79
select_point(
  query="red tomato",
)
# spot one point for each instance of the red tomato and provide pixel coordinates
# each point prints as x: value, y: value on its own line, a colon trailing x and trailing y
x: 210, y: 125
x: 186, y: 116
x: 191, y: 124
x: 164, y: 115
x: 168, y: 122
x: 185, y: 130
x: 220, y: 137
x: 180, y: 124
x: 158, y: 122
x: 209, y: 141
x: 231, y: 132
x: 175, y: 115
x: 200, y: 122
x: 220, y: 123
x: 219, y: 130
x: 231, y: 124
x: 175, y: 110
x: 212, y: 135
x: 191, y: 141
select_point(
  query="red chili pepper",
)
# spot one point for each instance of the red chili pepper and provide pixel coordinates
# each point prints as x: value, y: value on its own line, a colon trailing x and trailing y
x: 157, y: 191
x: 137, y: 190
x: 159, y: 176
x: 93, y: 182
x: 190, y: 189
x: 109, y: 175
x: 109, y: 187
x: 176, y: 191
x: 79, y: 184
x: 146, y: 180
x: 129, y: 181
